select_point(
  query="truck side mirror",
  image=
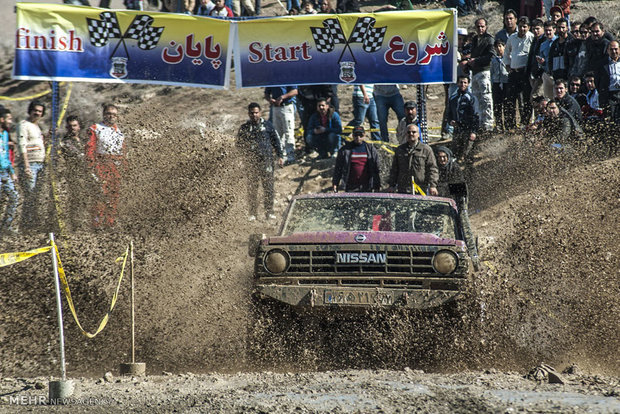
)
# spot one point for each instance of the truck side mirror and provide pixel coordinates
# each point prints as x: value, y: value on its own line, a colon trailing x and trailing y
x: 458, y: 190
x: 254, y: 242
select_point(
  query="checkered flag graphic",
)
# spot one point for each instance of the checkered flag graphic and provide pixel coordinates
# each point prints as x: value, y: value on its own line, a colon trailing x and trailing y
x: 141, y: 30
x: 374, y: 39
x: 327, y: 36
x: 149, y: 38
x: 364, y: 32
x: 102, y: 30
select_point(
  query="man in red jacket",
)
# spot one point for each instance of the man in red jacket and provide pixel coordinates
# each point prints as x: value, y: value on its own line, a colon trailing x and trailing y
x: 105, y: 154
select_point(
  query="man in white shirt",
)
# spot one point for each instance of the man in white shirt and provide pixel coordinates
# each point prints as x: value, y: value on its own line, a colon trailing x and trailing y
x: 515, y: 58
x: 32, y: 162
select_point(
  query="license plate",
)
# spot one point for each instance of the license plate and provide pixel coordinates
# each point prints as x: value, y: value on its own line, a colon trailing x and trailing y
x: 358, y: 297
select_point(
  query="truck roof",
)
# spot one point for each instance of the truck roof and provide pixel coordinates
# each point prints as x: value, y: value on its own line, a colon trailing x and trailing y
x: 377, y: 195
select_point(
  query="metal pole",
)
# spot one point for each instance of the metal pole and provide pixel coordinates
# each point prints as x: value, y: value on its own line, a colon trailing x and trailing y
x: 59, y: 306
x: 133, y: 312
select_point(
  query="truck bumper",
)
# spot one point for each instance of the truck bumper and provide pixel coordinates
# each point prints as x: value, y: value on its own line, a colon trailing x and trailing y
x: 315, y: 296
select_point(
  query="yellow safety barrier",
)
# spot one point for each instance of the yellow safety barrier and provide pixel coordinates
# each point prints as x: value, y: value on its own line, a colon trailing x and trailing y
x: 65, y: 287
x: 25, y: 98
x: 7, y: 259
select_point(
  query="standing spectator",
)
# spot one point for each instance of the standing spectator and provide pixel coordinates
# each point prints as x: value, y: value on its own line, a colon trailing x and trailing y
x: 411, y: 117
x: 543, y: 59
x: 364, y: 107
x: 72, y: 150
x: 558, y: 53
x: 575, y: 90
x: 450, y: 171
x: 187, y: 6
x: 592, y: 111
x: 325, y: 128
x: 515, y: 57
x: 221, y: 9
x: 257, y: 140
x: 293, y: 7
x: 462, y: 116
x: 576, y: 50
x: 510, y: 26
x: 205, y: 7
x: 413, y: 163
x: 243, y: 8
x: 357, y: 165
x: 386, y: 97
x: 480, y: 65
x: 556, y: 14
x: 608, y: 81
x: 7, y: 175
x: 106, y: 156
x: 533, y: 9
x: 326, y: 7
x: 307, y: 7
x: 32, y: 150
x: 534, y: 70
x: 564, y: 5
x: 596, y: 47
x: 282, y: 101
x: 499, y: 78
x: 347, y: 6
x: 566, y: 101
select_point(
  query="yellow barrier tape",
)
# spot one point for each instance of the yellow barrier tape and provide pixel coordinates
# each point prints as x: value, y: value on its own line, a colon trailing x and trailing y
x: 25, y: 98
x: 7, y: 259
x: 64, y: 106
x: 65, y: 286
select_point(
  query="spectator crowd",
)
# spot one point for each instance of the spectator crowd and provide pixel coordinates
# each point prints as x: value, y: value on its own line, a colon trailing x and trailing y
x: 544, y: 75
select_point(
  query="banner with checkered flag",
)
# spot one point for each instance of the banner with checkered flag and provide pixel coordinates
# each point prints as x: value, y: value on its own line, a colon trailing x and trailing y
x: 102, y: 30
x: 369, y: 36
x: 327, y: 36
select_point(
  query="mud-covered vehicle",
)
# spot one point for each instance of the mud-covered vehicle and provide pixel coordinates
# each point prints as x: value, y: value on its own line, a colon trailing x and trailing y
x: 364, y: 250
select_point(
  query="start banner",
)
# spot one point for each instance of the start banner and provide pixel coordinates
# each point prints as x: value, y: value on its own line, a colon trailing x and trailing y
x: 60, y: 42
x: 412, y: 47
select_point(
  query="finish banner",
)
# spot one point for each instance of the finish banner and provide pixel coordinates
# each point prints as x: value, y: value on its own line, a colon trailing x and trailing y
x: 74, y: 43
x: 412, y: 47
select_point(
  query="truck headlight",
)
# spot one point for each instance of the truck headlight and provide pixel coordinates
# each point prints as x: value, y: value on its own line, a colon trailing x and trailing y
x: 276, y: 261
x: 445, y: 262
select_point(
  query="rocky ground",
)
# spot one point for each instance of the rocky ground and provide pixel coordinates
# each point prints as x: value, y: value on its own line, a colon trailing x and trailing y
x: 548, y: 292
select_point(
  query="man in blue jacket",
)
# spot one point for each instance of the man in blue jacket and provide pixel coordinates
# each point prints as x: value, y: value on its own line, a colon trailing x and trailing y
x: 324, y: 129
x: 7, y: 174
x: 357, y: 165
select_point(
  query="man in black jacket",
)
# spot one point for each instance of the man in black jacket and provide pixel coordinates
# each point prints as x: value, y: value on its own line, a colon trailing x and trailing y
x: 480, y: 65
x: 257, y: 140
x: 357, y: 165
x: 566, y: 101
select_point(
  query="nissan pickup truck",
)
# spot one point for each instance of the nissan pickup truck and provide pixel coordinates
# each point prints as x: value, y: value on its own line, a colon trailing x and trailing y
x: 364, y: 250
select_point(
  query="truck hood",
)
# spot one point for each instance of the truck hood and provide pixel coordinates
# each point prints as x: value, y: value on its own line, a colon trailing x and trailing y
x: 372, y: 237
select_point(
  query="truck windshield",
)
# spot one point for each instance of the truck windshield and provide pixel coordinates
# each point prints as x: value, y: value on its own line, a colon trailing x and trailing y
x: 371, y: 214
